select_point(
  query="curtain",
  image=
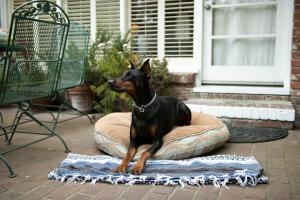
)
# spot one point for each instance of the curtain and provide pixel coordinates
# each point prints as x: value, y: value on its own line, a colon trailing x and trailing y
x: 250, y: 32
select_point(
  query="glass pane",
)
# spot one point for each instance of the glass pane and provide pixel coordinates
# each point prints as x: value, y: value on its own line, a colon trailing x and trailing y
x: 220, y: 2
x: 245, y: 20
x: 243, y: 51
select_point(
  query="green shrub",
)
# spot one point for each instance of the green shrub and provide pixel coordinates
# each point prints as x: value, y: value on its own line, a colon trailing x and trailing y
x: 108, y: 58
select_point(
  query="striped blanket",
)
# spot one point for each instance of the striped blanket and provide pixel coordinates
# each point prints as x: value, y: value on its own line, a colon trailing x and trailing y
x: 217, y: 170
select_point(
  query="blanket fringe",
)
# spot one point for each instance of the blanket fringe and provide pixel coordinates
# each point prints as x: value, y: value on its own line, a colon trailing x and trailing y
x: 200, y: 181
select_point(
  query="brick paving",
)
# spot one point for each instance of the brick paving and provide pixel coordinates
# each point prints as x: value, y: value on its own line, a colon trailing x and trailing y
x: 280, y: 159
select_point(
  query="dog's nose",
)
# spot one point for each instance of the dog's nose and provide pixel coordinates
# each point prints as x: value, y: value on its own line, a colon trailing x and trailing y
x: 110, y: 82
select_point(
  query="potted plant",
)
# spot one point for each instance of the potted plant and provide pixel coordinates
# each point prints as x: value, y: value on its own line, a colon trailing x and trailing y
x: 112, y: 62
x: 81, y: 96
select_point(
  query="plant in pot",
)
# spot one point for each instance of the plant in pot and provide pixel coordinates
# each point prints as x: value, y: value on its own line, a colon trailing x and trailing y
x: 81, y: 96
x: 160, y: 76
x: 113, y: 60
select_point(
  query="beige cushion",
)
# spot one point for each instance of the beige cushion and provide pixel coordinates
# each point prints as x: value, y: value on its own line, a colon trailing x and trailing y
x: 204, y: 135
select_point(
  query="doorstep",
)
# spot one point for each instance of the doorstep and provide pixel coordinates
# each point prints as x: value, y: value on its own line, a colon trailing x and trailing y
x: 260, y: 113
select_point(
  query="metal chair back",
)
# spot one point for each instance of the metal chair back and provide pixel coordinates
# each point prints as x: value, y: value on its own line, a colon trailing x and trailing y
x: 75, y: 58
x: 34, y: 53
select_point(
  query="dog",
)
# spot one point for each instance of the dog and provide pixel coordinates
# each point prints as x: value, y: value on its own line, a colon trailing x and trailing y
x: 152, y: 116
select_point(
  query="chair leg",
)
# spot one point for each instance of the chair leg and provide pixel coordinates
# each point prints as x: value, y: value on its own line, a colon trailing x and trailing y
x: 57, y: 117
x: 15, y: 118
x: 12, y: 173
x: 4, y: 133
x: 14, y: 127
x: 83, y: 114
x: 51, y: 132
x: 1, y: 117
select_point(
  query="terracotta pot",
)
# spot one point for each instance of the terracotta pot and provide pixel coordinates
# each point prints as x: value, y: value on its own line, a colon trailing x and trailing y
x: 81, y: 98
x: 42, y: 101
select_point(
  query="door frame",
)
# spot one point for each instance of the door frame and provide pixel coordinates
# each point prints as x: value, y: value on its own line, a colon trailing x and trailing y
x: 285, y: 61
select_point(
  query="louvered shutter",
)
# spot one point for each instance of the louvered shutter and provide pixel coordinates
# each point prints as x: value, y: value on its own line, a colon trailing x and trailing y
x: 79, y: 11
x: 17, y: 3
x: 144, y: 27
x: 108, y: 15
x: 179, y: 28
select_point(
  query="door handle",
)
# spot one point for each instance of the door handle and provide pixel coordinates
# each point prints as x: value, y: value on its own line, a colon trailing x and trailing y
x: 207, y: 5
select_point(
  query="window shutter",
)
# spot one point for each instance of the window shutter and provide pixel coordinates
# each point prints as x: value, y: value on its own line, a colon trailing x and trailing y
x: 179, y: 28
x: 144, y: 27
x: 79, y: 11
x: 17, y: 3
x: 108, y: 15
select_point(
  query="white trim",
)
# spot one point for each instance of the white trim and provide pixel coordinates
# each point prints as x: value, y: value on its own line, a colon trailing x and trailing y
x: 288, y: 35
x: 245, y: 112
x: 243, y: 4
x: 243, y: 36
x: 6, y: 11
x: 123, y: 18
x: 182, y: 65
x: 58, y: 2
x: 93, y: 20
x: 128, y: 15
x: 242, y: 89
x: 161, y: 29
x: 198, y: 36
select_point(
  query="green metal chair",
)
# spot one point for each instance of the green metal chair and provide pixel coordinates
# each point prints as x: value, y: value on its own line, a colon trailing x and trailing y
x: 32, y: 62
x: 72, y: 71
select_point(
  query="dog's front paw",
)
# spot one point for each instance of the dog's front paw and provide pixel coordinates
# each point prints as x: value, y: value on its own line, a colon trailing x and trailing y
x: 137, y: 169
x: 120, y: 169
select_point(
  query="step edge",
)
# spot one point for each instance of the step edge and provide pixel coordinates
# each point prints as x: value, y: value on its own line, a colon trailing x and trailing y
x: 259, y: 113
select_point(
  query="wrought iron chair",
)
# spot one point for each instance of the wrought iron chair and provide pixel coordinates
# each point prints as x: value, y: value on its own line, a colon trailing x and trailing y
x: 32, y: 62
x: 72, y: 71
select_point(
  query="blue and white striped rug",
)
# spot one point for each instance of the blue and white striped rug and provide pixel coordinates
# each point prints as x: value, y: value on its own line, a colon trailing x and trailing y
x: 217, y: 170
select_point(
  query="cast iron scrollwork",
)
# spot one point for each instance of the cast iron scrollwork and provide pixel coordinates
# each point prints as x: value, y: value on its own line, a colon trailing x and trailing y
x: 42, y: 8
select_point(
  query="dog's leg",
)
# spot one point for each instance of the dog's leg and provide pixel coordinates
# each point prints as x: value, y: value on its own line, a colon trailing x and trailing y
x: 139, y: 166
x: 129, y: 156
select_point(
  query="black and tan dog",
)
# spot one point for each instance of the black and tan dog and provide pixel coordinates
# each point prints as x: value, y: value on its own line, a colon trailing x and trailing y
x: 152, y: 116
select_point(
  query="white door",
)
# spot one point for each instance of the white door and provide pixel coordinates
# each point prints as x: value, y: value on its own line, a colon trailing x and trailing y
x: 241, y: 42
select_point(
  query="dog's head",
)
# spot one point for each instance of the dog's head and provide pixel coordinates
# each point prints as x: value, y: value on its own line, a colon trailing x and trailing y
x: 133, y: 80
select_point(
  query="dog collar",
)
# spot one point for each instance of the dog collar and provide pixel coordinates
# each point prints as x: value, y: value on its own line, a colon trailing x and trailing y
x: 142, y: 108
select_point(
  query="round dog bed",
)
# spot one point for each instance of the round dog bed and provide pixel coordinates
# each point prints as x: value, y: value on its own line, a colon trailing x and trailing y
x: 205, y: 134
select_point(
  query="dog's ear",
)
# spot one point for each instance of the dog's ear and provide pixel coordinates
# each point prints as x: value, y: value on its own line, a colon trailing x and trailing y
x: 146, y: 69
x: 132, y: 66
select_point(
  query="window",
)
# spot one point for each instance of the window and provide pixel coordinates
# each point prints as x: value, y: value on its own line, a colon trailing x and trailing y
x: 79, y: 10
x: 144, y: 26
x: 17, y: 3
x: 179, y: 28
x: 164, y: 29
x: 245, y: 34
x: 108, y: 15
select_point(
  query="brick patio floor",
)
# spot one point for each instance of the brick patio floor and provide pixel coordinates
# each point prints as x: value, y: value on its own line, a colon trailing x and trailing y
x: 280, y: 159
